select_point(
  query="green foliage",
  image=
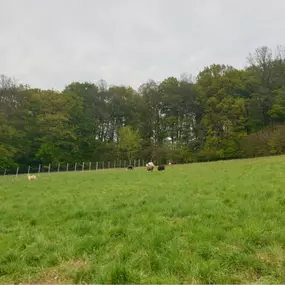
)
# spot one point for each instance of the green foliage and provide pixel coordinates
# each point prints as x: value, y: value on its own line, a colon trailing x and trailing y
x: 270, y: 141
x: 277, y: 111
x: 128, y: 142
x: 176, y: 119
x: 224, y: 116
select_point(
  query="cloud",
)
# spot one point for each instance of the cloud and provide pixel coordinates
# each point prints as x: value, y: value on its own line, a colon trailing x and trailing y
x: 49, y: 44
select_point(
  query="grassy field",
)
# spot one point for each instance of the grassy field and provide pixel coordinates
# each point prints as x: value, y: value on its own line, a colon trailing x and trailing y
x: 217, y: 222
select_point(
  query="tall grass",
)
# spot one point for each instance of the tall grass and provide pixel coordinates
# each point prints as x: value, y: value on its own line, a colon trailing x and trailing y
x: 219, y: 222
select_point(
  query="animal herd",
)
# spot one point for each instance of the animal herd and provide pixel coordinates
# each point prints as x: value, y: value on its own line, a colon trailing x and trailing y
x: 149, y: 167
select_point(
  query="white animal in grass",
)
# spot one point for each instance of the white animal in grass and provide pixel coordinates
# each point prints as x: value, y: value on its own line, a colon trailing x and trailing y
x: 150, y: 166
x: 32, y: 177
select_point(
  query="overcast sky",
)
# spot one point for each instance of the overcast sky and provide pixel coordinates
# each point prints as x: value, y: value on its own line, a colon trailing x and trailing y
x: 50, y: 43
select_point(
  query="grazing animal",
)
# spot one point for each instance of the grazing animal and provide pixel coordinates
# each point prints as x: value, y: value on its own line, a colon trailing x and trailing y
x: 149, y: 166
x: 161, y: 168
x: 32, y: 177
x: 130, y: 167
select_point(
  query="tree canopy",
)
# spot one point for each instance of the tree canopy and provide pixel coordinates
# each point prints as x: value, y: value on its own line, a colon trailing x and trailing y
x: 224, y: 113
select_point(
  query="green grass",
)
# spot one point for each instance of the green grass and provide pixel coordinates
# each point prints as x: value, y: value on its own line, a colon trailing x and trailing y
x: 217, y: 222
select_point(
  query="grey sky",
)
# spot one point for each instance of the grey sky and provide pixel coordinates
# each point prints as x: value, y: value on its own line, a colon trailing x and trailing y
x: 50, y: 43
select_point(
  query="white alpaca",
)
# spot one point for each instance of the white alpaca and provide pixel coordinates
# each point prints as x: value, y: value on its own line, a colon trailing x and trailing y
x: 149, y: 166
x: 32, y: 177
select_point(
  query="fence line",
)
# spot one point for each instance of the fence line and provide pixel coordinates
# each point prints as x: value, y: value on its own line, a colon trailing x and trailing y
x: 68, y: 167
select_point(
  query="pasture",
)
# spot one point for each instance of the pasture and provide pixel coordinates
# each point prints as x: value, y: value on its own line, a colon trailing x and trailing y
x: 219, y: 222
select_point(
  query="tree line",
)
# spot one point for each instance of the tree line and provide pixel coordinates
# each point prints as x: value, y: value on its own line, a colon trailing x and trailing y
x: 223, y: 113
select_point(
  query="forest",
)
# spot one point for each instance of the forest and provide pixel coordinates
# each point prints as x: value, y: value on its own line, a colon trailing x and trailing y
x: 222, y: 113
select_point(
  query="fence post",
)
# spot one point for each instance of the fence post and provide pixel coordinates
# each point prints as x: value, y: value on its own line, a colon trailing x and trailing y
x: 5, y: 172
x: 75, y: 166
x: 17, y: 171
x: 90, y: 166
x: 108, y: 164
x: 39, y: 170
x: 103, y: 165
x: 58, y: 167
x: 82, y: 166
x: 67, y: 166
x: 29, y: 168
x: 139, y: 163
x: 96, y: 165
x: 48, y: 168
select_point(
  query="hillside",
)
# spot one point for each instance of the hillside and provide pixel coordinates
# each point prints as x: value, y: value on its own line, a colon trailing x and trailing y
x: 220, y: 222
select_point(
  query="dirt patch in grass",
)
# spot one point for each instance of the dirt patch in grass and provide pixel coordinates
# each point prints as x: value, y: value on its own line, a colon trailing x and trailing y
x: 265, y: 257
x: 74, y: 264
x: 59, y: 274
x: 231, y: 247
x: 270, y: 259
x: 176, y: 220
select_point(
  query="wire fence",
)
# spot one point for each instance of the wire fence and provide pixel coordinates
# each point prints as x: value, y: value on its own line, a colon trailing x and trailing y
x: 75, y: 167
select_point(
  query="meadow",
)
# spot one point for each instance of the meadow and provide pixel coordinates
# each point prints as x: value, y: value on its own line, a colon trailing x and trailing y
x: 220, y: 222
